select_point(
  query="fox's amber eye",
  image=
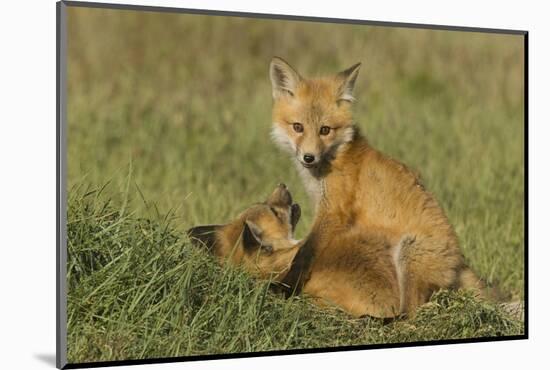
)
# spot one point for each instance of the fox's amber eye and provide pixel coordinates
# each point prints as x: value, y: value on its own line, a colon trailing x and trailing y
x: 298, y: 127
x: 325, y: 130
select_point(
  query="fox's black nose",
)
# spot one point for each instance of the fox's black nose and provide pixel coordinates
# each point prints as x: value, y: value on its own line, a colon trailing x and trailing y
x: 308, y: 158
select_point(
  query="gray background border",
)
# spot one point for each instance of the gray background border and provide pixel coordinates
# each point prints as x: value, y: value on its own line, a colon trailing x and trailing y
x: 61, y: 189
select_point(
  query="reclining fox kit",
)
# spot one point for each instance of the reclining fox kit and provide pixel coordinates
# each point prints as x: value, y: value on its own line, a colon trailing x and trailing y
x: 380, y: 244
x: 358, y: 278
x: 260, y: 238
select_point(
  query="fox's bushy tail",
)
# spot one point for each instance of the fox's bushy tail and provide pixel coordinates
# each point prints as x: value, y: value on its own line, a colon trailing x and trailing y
x: 467, y: 279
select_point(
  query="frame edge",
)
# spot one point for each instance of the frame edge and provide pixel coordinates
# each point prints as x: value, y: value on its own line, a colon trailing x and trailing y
x: 61, y: 194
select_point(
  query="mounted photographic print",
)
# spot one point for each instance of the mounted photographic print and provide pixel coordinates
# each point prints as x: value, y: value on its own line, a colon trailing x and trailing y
x: 235, y: 184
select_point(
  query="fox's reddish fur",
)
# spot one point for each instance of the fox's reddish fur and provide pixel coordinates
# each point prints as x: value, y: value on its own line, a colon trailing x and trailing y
x: 259, y: 239
x: 380, y: 243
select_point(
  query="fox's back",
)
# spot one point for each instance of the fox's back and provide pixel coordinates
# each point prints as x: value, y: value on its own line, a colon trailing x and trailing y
x: 369, y: 190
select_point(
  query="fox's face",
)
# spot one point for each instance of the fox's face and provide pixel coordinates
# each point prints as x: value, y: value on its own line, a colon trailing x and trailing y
x: 312, y: 117
x: 260, y: 239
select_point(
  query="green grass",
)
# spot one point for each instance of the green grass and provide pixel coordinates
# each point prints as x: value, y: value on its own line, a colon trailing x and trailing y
x: 138, y: 289
x: 168, y: 127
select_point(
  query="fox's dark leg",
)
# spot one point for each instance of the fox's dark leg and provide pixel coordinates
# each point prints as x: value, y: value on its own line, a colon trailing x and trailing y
x: 300, y: 269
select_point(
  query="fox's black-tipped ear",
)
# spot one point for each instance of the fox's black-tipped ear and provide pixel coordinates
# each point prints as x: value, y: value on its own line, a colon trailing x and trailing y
x: 204, y: 236
x: 284, y: 79
x: 348, y: 78
x: 295, y: 213
x: 252, y: 236
x: 252, y: 239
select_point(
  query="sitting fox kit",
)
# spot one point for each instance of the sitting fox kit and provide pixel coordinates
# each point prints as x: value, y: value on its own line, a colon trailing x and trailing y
x: 360, y: 196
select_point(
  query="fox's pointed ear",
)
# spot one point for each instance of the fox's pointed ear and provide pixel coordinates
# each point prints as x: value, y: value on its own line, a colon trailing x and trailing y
x: 284, y: 79
x: 204, y: 236
x: 252, y: 236
x: 347, y: 78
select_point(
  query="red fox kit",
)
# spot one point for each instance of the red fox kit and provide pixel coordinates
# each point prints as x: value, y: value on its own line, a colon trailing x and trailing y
x: 358, y: 277
x: 260, y: 239
x: 360, y: 195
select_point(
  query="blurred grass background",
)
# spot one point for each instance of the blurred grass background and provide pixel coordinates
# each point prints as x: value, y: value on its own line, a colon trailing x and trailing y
x: 169, y: 114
